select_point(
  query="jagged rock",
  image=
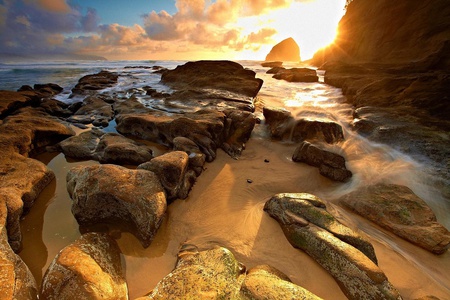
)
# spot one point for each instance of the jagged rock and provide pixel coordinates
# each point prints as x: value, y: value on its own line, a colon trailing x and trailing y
x: 313, y: 230
x: 272, y: 64
x: 286, y: 50
x: 89, y: 268
x: 30, y: 130
x: 265, y: 282
x: 21, y: 181
x: 114, y: 194
x: 238, y: 129
x: 196, y: 157
x: 94, y: 110
x: 172, y: 169
x: 400, y: 211
x: 16, y: 280
x: 280, y: 122
x: 331, y: 165
x: 296, y: 75
x: 90, y: 84
x: 213, y: 274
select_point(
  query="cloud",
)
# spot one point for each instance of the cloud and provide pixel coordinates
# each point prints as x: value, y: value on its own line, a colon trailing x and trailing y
x: 57, y: 6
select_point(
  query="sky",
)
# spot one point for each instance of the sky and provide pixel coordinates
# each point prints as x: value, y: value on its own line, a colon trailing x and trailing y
x: 165, y: 29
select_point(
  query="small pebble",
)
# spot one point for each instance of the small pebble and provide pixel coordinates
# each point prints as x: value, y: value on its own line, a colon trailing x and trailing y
x: 266, y: 160
x: 249, y: 181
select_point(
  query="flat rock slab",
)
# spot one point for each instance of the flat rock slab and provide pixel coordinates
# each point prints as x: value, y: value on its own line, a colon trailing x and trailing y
x: 217, y: 75
x: 397, y: 209
x: 91, y: 84
x: 11, y: 101
x: 335, y: 247
x: 30, y: 130
x: 114, y: 194
x: 106, y: 148
x: 89, y: 268
x: 296, y: 74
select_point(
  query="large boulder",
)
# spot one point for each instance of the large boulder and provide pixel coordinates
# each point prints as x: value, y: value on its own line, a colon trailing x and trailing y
x: 114, y: 194
x: 286, y: 50
x: 400, y: 211
x: 89, y: 268
x: 172, y: 170
x: 16, y: 280
x: 209, y: 274
x: 338, y: 249
x: 330, y: 164
x: 11, y: 101
x: 267, y: 283
x: 216, y: 274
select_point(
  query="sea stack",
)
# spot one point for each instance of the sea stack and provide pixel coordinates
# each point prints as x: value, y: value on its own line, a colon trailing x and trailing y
x: 286, y: 50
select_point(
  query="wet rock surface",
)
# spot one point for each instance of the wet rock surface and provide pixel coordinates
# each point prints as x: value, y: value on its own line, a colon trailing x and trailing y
x: 106, y: 148
x: 330, y: 164
x: 295, y: 74
x: 16, y: 280
x: 284, y: 126
x: 89, y: 268
x: 116, y: 195
x: 397, y: 209
x: 338, y: 249
x: 216, y: 274
x: 90, y: 84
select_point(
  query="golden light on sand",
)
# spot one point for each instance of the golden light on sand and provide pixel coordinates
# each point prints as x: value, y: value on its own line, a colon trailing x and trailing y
x: 312, y: 24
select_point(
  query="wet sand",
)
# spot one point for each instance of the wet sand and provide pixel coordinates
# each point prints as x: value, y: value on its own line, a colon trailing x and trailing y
x: 225, y: 209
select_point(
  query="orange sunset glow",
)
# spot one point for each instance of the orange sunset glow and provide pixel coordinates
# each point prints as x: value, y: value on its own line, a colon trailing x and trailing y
x: 182, y: 29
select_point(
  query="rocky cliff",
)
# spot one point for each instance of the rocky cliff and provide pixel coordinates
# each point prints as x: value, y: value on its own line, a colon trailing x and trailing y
x: 393, y: 32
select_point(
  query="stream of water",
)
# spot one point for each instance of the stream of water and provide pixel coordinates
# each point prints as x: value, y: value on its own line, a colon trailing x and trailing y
x: 224, y: 209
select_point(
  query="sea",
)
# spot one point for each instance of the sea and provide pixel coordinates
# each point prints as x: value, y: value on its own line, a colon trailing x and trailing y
x: 224, y: 187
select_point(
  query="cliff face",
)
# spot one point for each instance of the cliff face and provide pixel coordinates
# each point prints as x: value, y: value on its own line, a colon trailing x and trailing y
x: 286, y: 50
x: 393, y: 32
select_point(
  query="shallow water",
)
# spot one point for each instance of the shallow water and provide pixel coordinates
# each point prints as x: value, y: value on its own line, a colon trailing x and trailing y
x: 224, y: 209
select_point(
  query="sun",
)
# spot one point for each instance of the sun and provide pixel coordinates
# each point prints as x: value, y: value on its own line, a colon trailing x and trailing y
x: 311, y: 23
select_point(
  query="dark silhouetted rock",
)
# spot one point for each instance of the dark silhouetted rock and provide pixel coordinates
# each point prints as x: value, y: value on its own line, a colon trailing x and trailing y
x: 114, y: 194
x: 296, y: 74
x: 286, y: 50
x: 89, y: 268
x: 400, y: 211
x: 172, y: 170
x: 323, y: 130
x: 272, y: 64
x: 335, y: 247
x: 280, y: 122
x: 331, y: 165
